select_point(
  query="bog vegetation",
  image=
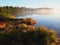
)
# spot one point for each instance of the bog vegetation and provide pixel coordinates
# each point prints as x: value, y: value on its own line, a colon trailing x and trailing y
x: 22, y: 31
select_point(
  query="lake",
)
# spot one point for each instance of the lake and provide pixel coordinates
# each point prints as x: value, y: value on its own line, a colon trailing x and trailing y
x: 51, y: 21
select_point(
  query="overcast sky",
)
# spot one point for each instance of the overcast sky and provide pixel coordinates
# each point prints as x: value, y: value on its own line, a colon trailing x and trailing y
x: 31, y: 3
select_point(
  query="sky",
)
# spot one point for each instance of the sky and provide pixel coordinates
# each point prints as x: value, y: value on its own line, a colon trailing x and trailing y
x: 31, y: 3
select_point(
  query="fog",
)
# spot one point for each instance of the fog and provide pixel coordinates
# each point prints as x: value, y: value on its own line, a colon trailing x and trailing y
x: 40, y: 11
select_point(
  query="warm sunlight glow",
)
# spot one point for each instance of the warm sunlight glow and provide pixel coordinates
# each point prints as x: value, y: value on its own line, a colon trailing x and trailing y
x: 56, y: 11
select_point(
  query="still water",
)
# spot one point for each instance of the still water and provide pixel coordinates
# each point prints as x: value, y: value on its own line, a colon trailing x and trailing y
x: 51, y: 21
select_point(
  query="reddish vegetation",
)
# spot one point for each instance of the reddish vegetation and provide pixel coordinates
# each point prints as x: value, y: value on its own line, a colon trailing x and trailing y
x: 28, y: 22
x: 17, y: 22
x: 3, y: 24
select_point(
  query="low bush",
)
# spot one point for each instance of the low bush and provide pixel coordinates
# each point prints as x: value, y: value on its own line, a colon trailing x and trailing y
x: 27, y: 36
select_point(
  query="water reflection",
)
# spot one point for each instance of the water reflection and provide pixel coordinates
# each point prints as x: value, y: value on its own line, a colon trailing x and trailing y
x: 49, y: 21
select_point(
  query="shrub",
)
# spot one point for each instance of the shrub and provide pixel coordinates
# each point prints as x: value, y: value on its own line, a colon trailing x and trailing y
x: 38, y: 36
x: 23, y: 34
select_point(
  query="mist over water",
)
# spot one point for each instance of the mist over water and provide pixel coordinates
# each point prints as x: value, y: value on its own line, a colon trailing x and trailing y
x: 51, y: 21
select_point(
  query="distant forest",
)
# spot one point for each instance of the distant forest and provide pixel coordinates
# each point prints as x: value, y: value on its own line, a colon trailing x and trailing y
x: 11, y: 12
x: 8, y: 11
